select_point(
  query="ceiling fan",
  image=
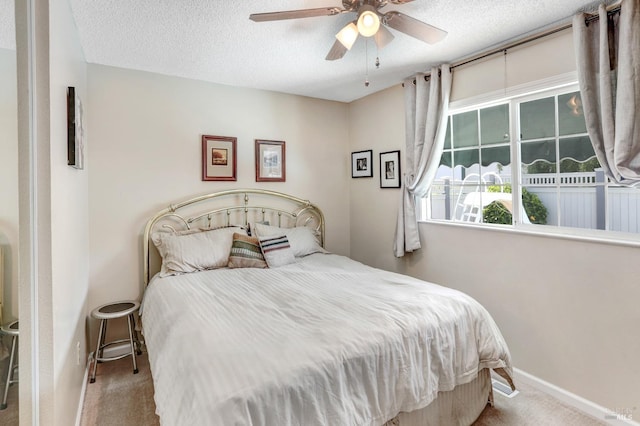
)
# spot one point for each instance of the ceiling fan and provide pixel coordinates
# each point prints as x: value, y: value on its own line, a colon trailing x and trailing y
x: 370, y: 22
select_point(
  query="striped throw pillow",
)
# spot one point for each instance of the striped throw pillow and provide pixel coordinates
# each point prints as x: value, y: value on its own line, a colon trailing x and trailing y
x: 277, y: 251
x: 246, y: 253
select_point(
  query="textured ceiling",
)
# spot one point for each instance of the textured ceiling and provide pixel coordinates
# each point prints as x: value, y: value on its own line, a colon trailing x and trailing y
x: 215, y: 41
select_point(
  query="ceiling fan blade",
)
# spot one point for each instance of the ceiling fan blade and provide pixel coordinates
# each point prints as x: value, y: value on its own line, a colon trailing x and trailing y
x: 413, y: 27
x: 383, y: 37
x: 337, y: 51
x: 400, y: 1
x: 294, y: 14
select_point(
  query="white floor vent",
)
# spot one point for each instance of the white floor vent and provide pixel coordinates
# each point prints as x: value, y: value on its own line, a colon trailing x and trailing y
x: 503, y: 389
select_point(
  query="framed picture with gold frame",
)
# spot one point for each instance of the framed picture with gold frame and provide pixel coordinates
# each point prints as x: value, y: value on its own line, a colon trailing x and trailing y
x: 219, y: 158
x: 271, y: 163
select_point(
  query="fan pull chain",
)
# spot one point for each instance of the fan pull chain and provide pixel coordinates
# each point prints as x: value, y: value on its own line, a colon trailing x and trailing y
x: 366, y: 63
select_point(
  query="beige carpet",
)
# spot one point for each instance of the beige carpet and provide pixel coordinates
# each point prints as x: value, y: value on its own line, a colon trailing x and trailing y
x: 530, y: 407
x: 8, y: 416
x: 118, y: 397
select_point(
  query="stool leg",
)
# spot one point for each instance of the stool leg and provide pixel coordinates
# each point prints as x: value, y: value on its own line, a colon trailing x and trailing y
x: 136, y: 337
x: 133, y: 348
x: 104, y: 337
x: 10, y: 373
x: 97, y: 352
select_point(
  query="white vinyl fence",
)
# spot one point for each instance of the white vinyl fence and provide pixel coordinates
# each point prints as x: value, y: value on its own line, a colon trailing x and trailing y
x: 583, y: 200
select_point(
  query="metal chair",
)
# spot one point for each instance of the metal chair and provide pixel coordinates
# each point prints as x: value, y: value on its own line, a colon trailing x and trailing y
x: 470, y: 204
x: 12, y: 330
x: 111, y: 311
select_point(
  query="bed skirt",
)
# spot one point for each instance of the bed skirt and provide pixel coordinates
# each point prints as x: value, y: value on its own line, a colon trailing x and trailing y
x: 460, y: 406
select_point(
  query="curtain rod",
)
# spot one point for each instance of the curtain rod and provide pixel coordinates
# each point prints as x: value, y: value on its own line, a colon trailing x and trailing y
x: 591, y: 18
x: 503, y: 49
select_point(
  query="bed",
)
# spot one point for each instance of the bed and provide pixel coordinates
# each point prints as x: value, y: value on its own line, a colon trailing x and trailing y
x: 307, y: 337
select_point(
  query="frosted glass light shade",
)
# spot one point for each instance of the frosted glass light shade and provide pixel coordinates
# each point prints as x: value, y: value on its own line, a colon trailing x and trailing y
x: 368, y: 21
x: 383, y: 37
x: 348, y: 35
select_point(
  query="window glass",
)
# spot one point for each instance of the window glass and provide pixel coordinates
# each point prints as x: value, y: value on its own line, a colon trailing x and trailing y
x: 478, y: 176
x: 447, y: 137
x: 570, y: 114
x: 467, y: 158
x: 440, y: 190
x: 539, y: 156
x: 578, y: 206
x: 465, y: 129
x: 560, y: 179
x: 494, y: 122
x: 537, y: 119
x: 499, y: 155
x: 462, y: 172
x: 577, y: 149
x: 539, y: 202
x: 446, y: 159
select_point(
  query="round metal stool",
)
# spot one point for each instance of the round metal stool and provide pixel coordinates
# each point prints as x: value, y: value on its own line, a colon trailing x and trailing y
x: 114, y: 310
x: 12, y: 330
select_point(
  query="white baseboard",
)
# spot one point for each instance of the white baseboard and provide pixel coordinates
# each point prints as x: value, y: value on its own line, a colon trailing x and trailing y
x: 109, y: 351
x: 83, y: 391
x: 579, y: 403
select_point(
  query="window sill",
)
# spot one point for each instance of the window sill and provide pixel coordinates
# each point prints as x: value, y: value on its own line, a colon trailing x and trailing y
x: 591, y: 236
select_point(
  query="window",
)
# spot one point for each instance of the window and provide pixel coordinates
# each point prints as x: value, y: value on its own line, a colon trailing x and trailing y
x: 556, y: 177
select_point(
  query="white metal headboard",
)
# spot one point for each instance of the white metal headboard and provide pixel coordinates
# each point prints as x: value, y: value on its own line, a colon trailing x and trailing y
x: 232, y: 207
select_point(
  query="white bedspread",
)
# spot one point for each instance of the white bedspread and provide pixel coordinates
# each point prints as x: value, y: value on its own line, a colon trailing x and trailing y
x: 325, y: 341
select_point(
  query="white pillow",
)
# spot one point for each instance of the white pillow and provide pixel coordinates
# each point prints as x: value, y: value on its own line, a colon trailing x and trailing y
x: 194, y: 251
x: 302, y: 239
x: 276, y: 250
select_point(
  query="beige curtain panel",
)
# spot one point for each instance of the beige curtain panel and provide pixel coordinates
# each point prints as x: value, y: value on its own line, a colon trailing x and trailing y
x: 426, y: 110
x: 608, y: 56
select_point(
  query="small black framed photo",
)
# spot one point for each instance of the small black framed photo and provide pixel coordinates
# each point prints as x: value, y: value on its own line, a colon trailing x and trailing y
x: 362, y: 164
x: 75, y: 130
x: 390, y: 169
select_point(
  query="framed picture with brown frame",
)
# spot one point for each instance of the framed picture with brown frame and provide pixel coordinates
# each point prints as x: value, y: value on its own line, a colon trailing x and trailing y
x: 219, y: 158
x: 271, y: 163
x: 390, y: 169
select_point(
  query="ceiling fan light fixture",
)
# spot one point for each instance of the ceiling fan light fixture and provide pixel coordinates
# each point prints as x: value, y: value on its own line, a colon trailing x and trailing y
x: 368, y: 21
x: 348, y: 35
x: 383, y: 37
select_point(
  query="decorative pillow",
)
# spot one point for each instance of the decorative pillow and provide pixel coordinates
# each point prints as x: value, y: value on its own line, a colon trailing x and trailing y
x: 277, y: 251
x: 253, y: 232
x: 191, y: 251
x: 302, y: 239
x: 246, y: 253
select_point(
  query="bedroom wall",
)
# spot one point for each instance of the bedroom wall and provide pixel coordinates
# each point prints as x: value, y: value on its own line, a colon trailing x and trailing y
x: 69, y: 221
x: 9, y: 182
x: 146, y: 153
x: 568, y: 309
